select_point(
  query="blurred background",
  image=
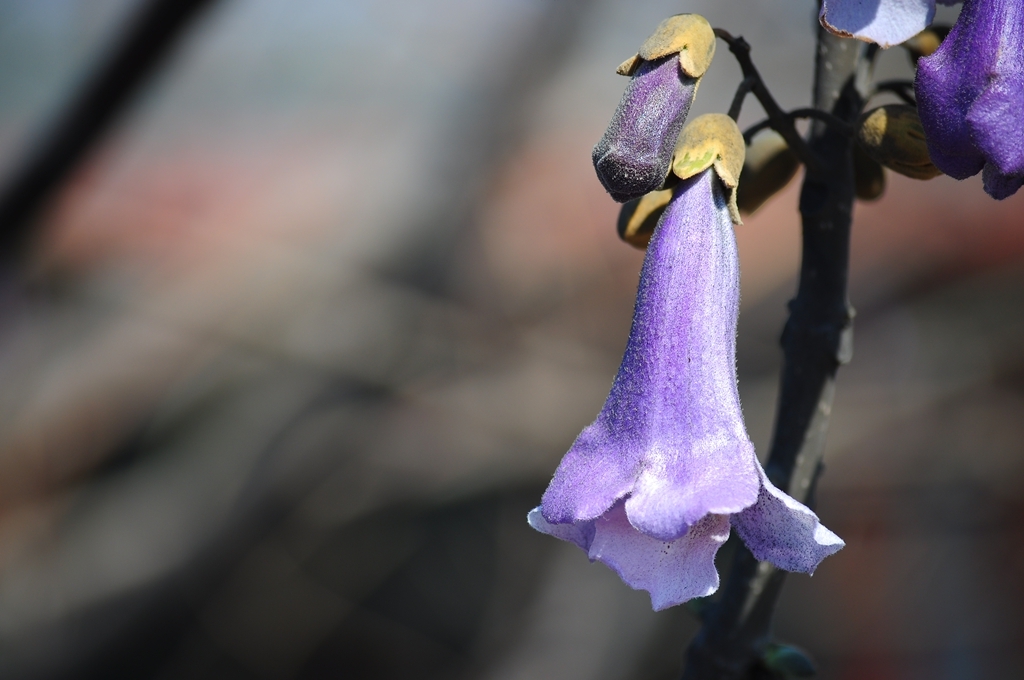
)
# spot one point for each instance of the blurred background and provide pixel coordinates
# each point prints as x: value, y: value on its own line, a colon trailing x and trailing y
x: 290, y: 350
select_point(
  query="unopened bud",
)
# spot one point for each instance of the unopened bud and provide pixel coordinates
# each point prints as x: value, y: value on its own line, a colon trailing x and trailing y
x: 892, y: 135
x: 638, y: 217
x: 769, y: 166
x: 712, y: 140
x: 868, y: 175
x: 633, y: 157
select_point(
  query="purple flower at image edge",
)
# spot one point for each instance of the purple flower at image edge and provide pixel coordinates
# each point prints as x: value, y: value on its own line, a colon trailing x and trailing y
x: 653, y: 486
x: 634, y: 154
x: 970, y: 95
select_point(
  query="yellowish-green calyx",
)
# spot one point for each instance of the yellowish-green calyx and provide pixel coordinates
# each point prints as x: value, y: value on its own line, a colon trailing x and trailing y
x: 892, y: 135
x: 712, y: 141
x: 689, y: 35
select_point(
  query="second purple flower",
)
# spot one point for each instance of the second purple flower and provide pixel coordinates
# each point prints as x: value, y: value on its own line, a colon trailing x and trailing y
x: 971, y: 96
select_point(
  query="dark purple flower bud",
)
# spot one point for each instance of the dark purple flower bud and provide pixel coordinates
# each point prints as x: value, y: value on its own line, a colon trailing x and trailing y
x: 634, y: 155
x: 970, y: 95
x: 653, y: 485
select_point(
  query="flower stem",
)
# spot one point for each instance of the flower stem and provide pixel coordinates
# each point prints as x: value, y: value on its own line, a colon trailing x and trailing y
x: 780, y: 122
x: 839, y: 124
x: 904, y: 89
x: 817, y: 339
x: 742, y: 91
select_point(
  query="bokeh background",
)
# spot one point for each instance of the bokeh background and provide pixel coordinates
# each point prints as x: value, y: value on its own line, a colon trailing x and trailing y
x: 300, y: 340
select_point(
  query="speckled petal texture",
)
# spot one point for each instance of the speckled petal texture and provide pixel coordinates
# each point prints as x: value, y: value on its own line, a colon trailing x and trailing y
x: 671, y: 433
x: 886, y: 22
x: 633, y: 157
x: 971, y: 96
x: 782, y: 531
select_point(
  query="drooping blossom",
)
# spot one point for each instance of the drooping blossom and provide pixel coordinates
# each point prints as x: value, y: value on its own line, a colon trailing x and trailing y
x: 634, y: 154
x: 886, y: 22
x: 653, y: 485
x: 970, y: 96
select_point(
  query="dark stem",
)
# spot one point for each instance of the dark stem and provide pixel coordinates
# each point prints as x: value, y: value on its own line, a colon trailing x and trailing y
x: 780, y: 122
x: 746, y: 85
x: 816, y: 341
x: 904, y: 89
x: 837, y: 123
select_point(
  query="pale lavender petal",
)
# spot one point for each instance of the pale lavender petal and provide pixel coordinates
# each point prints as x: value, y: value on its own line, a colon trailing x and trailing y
x: 582, y: 534
x: 671, y: 495
x: 632, y: 158
x: 886, y: 22
x: 671, y: 571
x: 671, y: 432
x: 783, y: 531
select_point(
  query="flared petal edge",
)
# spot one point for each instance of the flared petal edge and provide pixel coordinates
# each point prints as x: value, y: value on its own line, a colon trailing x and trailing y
x: 581, y: 533
x: 781, y: 530
x: 598, y: 470
x: 671, y: 571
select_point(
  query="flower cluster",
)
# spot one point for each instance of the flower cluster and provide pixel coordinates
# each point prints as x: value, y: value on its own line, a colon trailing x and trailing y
x: 653, y: 487
x: 970, y: 91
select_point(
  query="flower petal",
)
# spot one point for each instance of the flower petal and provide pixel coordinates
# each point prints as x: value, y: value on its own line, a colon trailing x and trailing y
x: 633, y: 157
x: 995, y: 123
x: 783, y: 531
x: 1000, y: 186
x: 712, y: 477
x: 671, y: 571
x: 995, y: 30
x: 969, y: 92
x: 599, y: 469
x: 582, y: 534
x: 886, y: 22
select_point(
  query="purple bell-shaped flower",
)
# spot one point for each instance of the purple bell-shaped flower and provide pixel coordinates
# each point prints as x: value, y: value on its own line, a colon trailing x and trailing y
x: 653, y: 485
